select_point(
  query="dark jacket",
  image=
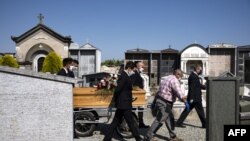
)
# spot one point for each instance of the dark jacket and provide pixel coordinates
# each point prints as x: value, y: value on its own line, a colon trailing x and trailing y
x: 71, y: 74
x: 62, y: 72
x: 123, y: 92
x: 194, y: 88
x: 137, y: 80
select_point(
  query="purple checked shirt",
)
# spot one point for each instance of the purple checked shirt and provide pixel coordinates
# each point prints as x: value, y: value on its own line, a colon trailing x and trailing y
x: 170, y: 88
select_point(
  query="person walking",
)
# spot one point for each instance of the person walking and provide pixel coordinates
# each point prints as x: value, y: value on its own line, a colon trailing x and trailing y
x: 137, y: 80
x: 194, y: 98
x: 123, y: 103
x: 169, y: 89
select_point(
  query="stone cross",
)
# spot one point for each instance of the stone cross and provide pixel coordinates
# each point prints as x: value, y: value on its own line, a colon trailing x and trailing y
x: 40, y: 18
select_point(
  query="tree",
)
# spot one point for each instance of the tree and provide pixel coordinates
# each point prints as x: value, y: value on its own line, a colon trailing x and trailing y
x: 8, y: 60
x: 119, y: 62
x: 52, y: 63
x: 112, y: 62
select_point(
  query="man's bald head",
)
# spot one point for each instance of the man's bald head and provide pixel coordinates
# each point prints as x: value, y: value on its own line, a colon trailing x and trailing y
x: 178, y: 73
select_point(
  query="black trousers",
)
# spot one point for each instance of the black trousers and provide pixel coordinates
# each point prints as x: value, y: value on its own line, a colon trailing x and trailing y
x: 200, y: 111
x: 119, y: 114
x: 140, y: 116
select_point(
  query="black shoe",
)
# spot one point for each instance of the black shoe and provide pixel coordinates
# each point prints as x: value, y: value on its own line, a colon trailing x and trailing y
x: 75, y: 137
x: 106, y: 139
x: 176, y: 139
x: 180, y: 125
x: 139, y: 139
x: 142, y: 125
x: 146, y: 138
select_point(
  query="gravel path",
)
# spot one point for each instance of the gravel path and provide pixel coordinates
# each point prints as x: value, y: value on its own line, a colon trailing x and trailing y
x: 192, y: 132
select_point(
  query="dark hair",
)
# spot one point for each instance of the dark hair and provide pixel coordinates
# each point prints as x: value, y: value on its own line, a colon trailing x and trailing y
x: 75, y: 61
x: 136, y: 62
x: 130, y: 65
x: 67, y: 61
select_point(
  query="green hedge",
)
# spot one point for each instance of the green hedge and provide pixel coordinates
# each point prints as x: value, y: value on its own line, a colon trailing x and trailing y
x: 52, y: 63
x: 8, y: 60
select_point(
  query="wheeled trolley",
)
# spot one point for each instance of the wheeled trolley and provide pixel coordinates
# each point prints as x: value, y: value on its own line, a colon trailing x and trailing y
x: 92, y: 107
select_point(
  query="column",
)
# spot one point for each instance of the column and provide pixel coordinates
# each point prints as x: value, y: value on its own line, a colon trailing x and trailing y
x: 185, y: 66
x: 79, y: 60
x: 204, y: 68
x: 182, y: 65
x: 207, y: 67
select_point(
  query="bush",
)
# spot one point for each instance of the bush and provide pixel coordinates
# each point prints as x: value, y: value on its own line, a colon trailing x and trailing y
x: 52, y: 63
x: 8, y: 60
x: 1, y: 60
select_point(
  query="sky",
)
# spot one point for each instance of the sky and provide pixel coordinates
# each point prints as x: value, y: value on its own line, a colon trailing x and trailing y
x: 115, y: 26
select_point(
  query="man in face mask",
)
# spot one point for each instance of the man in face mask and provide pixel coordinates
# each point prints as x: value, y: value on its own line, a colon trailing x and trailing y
x: 123, y: 103
x: 66, y: 66
x: 137, y: 80
x: 194, y: 98
x: 73, y: 68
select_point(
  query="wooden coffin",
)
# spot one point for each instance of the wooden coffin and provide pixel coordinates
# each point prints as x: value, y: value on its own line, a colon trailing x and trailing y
x: 88, y: 97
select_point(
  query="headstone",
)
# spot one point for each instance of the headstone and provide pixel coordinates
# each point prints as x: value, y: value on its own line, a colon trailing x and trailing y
x: 222, y: 106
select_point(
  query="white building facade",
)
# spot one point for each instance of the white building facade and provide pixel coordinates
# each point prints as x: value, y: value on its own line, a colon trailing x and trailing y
x: 89, y: 58
x: 193, y: 55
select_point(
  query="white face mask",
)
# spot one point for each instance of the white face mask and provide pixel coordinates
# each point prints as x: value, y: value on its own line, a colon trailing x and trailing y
x: 71, y: 68
x: 130, y: 73
x: 141, y: 69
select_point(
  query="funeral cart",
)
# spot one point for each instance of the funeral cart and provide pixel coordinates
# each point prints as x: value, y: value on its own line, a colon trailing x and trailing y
x: 92, y: 106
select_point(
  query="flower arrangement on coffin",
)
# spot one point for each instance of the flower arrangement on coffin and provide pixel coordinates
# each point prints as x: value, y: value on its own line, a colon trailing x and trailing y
x: 107, y: 85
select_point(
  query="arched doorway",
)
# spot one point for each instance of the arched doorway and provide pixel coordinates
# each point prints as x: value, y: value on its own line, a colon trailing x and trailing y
x: 38, y: 62
x: 37, y: 54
